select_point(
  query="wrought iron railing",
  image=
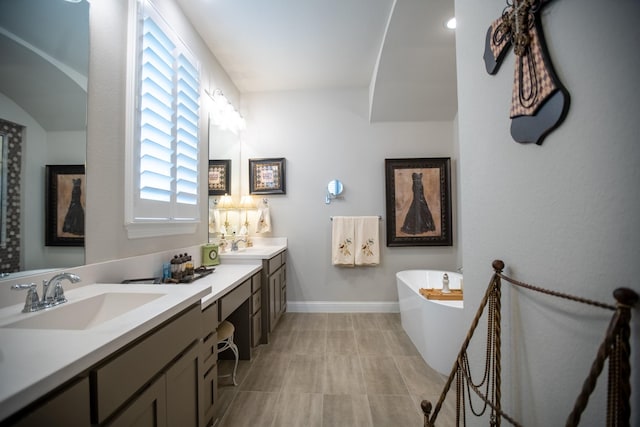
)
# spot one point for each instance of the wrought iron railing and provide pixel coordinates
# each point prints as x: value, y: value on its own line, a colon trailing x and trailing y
x: 614, y: 347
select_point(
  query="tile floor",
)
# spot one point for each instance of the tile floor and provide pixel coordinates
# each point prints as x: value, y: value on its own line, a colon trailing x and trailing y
x: 330, y: 370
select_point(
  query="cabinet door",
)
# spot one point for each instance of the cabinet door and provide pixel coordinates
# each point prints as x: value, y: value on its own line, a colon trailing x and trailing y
x: 274, y: 300
x: 182, y: 390
x: 69, y: 407
x: 148, y: 410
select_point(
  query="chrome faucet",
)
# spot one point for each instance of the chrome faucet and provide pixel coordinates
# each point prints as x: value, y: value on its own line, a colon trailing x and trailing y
x: 234, y: 243
x: 58, y: 293
x: 32, y: 303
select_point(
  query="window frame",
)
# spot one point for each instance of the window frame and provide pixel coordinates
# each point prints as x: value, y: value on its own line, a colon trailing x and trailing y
x: 172, y: 222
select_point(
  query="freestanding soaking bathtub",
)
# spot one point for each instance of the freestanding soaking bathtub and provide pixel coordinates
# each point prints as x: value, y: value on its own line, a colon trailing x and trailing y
x: 435, y: 327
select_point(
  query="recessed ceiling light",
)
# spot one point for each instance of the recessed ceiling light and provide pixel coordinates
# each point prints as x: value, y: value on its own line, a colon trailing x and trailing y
x: 73, y: 1
x: 451, y: 23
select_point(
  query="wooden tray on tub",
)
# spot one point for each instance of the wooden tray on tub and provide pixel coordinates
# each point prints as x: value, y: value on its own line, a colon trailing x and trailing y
x: 455, y: 295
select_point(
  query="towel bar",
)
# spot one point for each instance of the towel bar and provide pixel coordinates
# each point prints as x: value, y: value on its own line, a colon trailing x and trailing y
x: 379, y: 217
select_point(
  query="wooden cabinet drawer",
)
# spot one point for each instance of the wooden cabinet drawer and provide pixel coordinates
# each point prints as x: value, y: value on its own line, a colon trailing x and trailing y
x: 209, y: 320
x: 209, y: 355
x: 119, y: 378
x: 256, y: 282
x: 275, y: 263
x: 256, y: 300
x: 234, y: 299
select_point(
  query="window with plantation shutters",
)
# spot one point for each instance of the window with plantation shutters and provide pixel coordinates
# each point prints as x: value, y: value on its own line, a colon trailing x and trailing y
x: 165, y: 142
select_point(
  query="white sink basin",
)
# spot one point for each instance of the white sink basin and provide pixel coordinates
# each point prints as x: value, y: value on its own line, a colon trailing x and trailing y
x: 86, y: 313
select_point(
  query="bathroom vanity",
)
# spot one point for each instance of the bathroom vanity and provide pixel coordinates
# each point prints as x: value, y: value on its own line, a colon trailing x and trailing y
x: 272, y: 254
x: 155, y: 363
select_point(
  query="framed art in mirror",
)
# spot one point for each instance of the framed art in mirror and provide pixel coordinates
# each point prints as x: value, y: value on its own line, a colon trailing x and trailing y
x: 219, y: 177
x: 65, y: 205
x: 418, y: 198
x: 267, y: 176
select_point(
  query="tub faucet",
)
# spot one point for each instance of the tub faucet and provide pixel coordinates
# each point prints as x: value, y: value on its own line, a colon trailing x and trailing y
x: 58, y: 293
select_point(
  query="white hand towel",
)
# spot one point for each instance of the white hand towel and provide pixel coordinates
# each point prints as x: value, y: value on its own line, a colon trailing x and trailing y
x: 342, y: 238
x: 263, y: 224
x: 367, y: 240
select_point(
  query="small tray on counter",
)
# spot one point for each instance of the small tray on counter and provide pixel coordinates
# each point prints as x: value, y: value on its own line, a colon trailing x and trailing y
x: 199, y: 273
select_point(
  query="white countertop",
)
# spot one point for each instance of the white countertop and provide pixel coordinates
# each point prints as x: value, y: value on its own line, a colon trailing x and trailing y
x: 35, y: 361
x: 263, y: 248
x: 226, y: 277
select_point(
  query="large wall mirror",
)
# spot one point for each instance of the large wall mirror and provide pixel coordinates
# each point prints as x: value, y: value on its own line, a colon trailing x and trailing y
x: 225, y: 145
x: 44, y: 57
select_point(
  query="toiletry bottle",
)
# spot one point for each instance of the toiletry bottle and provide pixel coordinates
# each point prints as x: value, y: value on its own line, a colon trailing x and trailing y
x: 166, y: 271
x: 175, y: 268
x: 445, y: 284
x: 188, y: 265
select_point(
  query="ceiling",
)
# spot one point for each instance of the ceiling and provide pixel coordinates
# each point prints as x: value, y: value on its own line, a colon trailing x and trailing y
x: 399, y: 49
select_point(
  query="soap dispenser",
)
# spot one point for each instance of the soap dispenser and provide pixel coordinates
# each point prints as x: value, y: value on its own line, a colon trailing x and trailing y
x: 445, y: 284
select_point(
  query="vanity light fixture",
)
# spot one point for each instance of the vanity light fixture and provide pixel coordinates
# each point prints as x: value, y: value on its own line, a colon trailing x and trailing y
x: 224, y: 114
x: 451, y: 23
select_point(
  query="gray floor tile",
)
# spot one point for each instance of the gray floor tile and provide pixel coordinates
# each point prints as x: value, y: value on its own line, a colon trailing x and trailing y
x: 391, y: 410
x: 365, y: 321
x: 267, y: 373
x: 309, y: 342
x: 339, y: 322
x: 343, y: 375
x: 341, y: 341
x: 399, y: 343
x: 341, y: 410
x: 372, y: 342
x: 332, y: 370
x: 381, y: 375
x: 309, y: 321
x: 420, y: 378
x: 299, y: 410
x: 305, y: 374
x: 251, y: 409
x: 388, y: 321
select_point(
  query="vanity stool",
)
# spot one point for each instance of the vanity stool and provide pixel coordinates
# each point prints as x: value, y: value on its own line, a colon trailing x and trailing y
x: 225, y: 342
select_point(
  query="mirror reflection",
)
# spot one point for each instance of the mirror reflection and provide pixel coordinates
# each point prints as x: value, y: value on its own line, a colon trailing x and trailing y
x: 334, y: 190
x: 44, y: 50
x: 223, y: 145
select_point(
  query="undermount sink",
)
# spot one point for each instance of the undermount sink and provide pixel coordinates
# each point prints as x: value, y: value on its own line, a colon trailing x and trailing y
x: 86, y: 313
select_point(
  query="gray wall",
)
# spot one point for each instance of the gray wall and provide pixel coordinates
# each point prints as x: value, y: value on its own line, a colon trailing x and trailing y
x: 563, y: 215
x: 326, y: 135
x: 106, y: 235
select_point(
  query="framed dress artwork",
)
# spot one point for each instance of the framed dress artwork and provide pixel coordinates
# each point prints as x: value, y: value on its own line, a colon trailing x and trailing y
x: 418, y: 199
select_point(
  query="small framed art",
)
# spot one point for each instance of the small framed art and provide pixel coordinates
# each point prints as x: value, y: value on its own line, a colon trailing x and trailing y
x: 219, y: 177
x: 64, y: 205
x: 267, y: 176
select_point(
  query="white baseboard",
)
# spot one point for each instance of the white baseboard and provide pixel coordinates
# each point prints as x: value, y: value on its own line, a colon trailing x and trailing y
x: 343, y: 307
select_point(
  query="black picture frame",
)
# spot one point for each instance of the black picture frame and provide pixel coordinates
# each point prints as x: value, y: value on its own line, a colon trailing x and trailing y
x: 267, y: 176
x: 219, y: 177
x: 65, y: 204
x: 418, y: 199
